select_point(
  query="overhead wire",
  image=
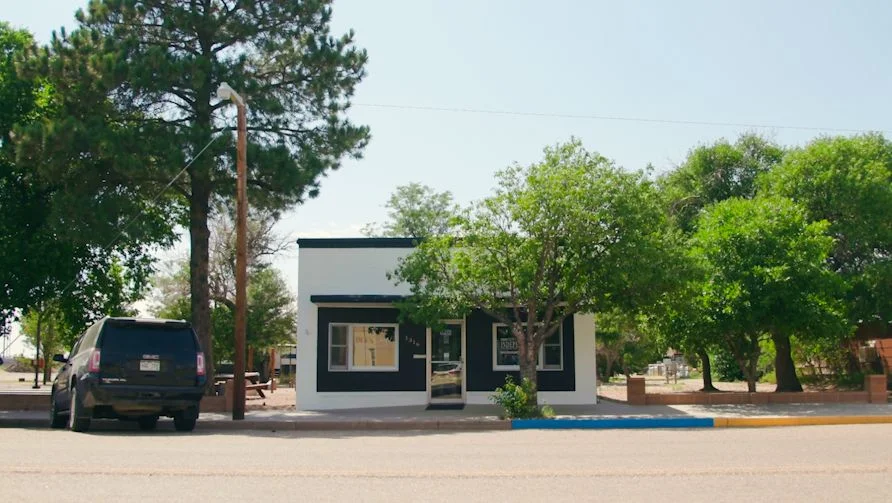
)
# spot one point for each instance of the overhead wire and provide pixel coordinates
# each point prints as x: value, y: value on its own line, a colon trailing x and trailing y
x: 614, y: 118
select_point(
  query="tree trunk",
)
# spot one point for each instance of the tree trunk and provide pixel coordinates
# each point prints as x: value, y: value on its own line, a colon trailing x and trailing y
x: 37, y: 349
x: 751, y: 374
x: 201, y: 185
x: 608, y: 368
x: 47, y: 366
x: 749, y: 371
x: 527, y: 355
x: 707, y: 371
x: 853, y: 365
x: 783, y: 364
x: 198, y: 267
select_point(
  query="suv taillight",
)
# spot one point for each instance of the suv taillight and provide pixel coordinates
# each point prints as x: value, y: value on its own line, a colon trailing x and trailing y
x: 93, y: 364
x: 199, y: 364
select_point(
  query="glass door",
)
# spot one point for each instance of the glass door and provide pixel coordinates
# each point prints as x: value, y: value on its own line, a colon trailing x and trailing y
x: 447, y: 364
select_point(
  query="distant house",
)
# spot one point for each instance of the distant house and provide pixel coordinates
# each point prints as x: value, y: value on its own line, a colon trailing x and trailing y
x: 354, y: 352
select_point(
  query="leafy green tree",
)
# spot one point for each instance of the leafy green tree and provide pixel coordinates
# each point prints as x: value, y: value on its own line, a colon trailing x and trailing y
x: 51, y: 327
x: 415, y: 211
x: 55, y: 242
x: 570, y: 234
x: 847, y: 181
x: 20, y: 98
x: 681, y: 323
x: 710, y: 174
x: 156, y: 64
x: 262, y: 244
x: 625, y: 342
x: 716, y: 172
x: 272, y: 319
x: 765, y: 276
x: 273, y: 315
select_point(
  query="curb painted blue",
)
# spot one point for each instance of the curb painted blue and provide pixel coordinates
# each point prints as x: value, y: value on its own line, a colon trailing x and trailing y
x: 613, y: 423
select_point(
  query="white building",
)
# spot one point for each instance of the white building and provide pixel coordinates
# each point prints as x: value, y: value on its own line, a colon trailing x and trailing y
x: 353, y: 351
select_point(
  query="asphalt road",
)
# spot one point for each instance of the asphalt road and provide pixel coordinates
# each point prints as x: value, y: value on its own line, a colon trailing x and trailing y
x: 814, y: 463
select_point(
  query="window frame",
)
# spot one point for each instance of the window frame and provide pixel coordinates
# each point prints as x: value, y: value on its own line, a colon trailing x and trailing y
x: 349, y: 348
x: 540, y: 362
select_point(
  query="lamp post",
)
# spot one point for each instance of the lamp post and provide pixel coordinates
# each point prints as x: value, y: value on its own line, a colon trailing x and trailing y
x: 241, y: 255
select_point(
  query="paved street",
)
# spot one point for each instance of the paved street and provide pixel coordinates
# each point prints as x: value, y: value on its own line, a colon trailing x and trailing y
x: 819, y: 463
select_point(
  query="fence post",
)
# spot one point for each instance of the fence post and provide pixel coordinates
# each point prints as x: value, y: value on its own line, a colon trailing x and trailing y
x: 229, y: 393
x: 635, y: 391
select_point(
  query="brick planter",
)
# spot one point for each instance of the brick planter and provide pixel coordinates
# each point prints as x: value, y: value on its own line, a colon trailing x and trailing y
x: 874, y: 386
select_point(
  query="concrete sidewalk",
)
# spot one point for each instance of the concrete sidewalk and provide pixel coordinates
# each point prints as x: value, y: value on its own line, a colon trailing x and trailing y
x: 486, y: 417
x: 390, y: 418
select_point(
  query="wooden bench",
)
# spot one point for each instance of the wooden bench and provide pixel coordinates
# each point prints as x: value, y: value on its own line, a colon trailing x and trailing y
x: 259, y: 387
x: 229, y: 390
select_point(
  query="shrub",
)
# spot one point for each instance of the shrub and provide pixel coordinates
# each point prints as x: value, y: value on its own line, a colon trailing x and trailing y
x: 514, y: 399
x: 768, y: 377
x: 546, y: 411
x: 726, y: 367
x: 19, y: 364
x: 854, y: 380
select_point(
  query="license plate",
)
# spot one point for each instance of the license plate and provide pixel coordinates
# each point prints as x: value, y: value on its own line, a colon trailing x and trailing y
x: 149, y: 365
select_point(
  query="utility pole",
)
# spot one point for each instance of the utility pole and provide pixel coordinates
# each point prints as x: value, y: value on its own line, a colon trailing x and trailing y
x: 241, y: 253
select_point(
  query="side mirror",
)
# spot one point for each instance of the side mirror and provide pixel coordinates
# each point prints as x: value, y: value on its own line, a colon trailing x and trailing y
x: 60, y: 359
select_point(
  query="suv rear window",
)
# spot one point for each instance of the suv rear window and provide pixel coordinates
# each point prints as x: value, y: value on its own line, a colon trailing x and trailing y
x: 154, y: 339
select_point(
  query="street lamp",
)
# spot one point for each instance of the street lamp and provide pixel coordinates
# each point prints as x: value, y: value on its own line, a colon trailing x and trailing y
x: 241, y: 256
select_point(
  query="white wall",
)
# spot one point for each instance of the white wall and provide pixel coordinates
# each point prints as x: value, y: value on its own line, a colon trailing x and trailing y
x: 340, y: 271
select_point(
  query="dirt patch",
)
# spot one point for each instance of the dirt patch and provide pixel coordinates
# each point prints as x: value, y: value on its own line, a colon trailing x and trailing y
x: 281, y: 399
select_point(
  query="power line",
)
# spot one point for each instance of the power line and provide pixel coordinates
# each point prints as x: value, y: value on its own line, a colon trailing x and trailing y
x: 610, y: 118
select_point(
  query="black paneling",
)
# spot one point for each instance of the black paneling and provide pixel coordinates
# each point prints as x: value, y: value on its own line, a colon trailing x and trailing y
x: 357, y: 242
x: 482, y: 377
x: 356, y: 299
x: 412, y: 339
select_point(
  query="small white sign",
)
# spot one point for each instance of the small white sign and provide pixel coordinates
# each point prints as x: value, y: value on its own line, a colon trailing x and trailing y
x: 149, y: 365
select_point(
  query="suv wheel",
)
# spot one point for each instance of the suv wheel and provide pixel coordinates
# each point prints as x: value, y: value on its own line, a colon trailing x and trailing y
x: 78, y: 415
x: 147, y: 423
x: 184, y: 420
x: 56, y: 420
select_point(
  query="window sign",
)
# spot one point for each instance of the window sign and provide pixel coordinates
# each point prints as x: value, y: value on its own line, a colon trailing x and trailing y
x: 507, y: 355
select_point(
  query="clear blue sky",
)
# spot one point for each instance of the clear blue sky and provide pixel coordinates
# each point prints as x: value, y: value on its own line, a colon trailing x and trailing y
x: 803, y: 63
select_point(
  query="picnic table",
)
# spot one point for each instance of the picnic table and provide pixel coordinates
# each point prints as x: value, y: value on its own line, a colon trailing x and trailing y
x: 252, y: 377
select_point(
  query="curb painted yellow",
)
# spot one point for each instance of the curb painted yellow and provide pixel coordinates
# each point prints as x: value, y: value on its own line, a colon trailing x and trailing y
x: 738, y: 422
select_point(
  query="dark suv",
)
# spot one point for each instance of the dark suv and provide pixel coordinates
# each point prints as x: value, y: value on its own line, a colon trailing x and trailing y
x: 130, y: 369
